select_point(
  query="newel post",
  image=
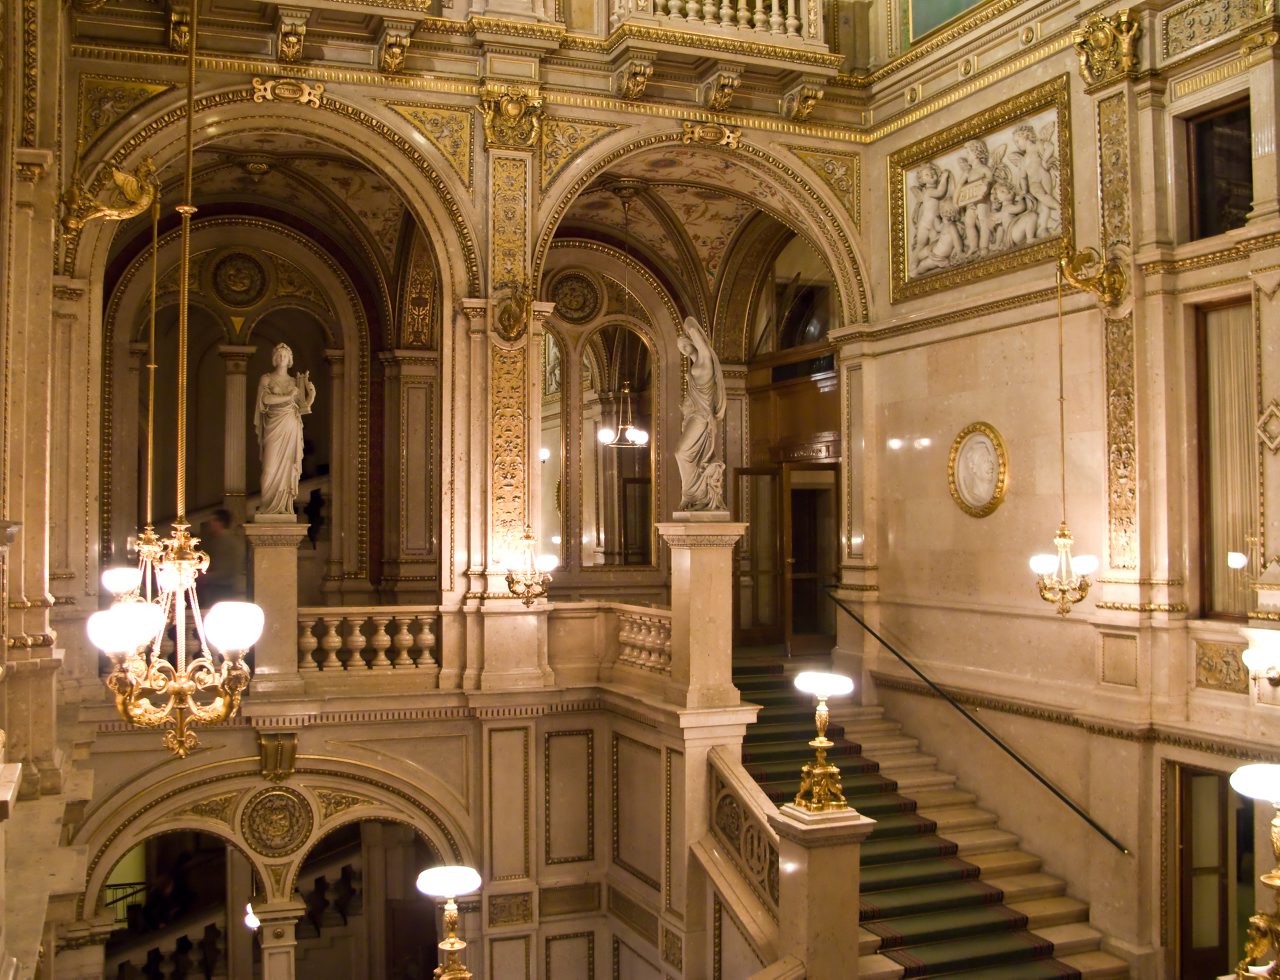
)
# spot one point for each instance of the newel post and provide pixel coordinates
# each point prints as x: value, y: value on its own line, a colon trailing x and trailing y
x: 702, y: 611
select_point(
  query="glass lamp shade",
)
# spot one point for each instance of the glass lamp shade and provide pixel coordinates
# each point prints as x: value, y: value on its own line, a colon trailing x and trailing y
x: 823, y: 685
x: 233, y: 627
x: 251, y: 920
x: 122, y: 580
x: 449, y: 881
x: 544, y: 454
x: 1258, y: 781
x: 605, y: 435
x: 1264, y: 650
x: 1084, y: 564
x: 1044, y: 564
x: 168, y: 578
x: 1237, y: 559
x: 638, y: 437
x: 546, y: 563
x: 125, y: 626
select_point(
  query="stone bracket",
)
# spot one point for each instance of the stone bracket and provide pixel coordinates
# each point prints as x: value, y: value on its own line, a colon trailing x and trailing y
x: 799, y: 101
x: 393, y: 46
x: 291, y: 33
x: 718, y: 87
x: 631, y: 80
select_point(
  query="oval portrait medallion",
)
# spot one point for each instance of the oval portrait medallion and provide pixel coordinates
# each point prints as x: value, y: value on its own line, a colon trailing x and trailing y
x: 239, y: 279
x: 276, y: 821
x: 577, y: 298
x: 978, y: 469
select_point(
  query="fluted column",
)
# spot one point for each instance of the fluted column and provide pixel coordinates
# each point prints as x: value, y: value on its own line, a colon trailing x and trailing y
x: 236, y: 359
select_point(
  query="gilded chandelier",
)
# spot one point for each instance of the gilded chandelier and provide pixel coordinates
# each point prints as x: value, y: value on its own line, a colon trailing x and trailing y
x: 528, y: 573
x: 1063, y: 579
x: 150, y: 690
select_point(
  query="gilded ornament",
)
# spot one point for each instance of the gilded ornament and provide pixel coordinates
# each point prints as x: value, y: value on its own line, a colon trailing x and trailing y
x: 798, y: 104
x: 277, y: 821
x: 711, y: 133
x: 1259, y: 42
x: 1199, y: 22
x: 719, y: 88
x: 512, y: 116
x: 418, y: 313
x: 672, y: 948
x: 394, y: 50
x: 291, y: 32
x: 632, y: 79
x: 277, y: 752
x: 288, y: 90
x: 446, y: 128
x: 515, y: 311
x: 1107, y: 46
x: 216, y: 808
x: 564, y: 140
x: 1268, y: 426
x: 134, y: 193
x: 1122, y: 452
x: 105, y: 100
x: 1087, y: 271
x: 1219, y: 667
x: 179, y: 31
x: 239, y: 280
x: 509, y: 425
x: 840, y: 172
x: 333, y: 802
x: 576, y: 296
x: 978, y: 469
x: 1113, y: 170
x: 509, y: 215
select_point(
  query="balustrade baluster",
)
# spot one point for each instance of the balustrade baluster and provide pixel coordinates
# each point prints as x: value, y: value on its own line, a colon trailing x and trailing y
x: 331, y: 643
x: 659, y: 7
x: 744, y: 16
x: 793, y: 22
x: 380, y: 641
x: 615, y: 14
x: 402, y: 641
x: 727, y: 19
x: 775, y: 16
x: 761, y: 16
x: 426, y: 644
x: 356, y: 643
x: 675, y: 9
x: 307, y: 644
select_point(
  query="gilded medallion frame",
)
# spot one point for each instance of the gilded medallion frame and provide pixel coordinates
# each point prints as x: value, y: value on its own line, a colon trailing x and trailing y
x: 965, y: 437
x: 1054, y: 94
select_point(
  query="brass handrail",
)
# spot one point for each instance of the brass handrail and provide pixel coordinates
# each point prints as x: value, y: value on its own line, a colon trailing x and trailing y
x: 1040, y: 778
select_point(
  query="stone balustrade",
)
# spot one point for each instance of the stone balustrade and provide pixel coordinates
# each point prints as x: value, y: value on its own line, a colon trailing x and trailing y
x: 374, y: 639
x: 644, y: 638
x: 771, y: 21
x: 739, y: 820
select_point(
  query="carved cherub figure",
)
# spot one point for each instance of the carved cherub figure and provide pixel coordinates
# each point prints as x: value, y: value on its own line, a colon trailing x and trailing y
x: 931, y: 186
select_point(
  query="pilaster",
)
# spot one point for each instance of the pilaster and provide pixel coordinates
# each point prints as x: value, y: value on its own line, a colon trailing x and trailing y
x: 235, y: 358
x: 278, y: 937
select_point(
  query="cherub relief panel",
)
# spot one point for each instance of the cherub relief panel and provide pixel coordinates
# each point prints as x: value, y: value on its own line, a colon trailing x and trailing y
x: 979, y: 197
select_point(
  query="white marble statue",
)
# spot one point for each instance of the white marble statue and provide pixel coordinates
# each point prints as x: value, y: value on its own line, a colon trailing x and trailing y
x: 282, y: 401
x: 701, y: 409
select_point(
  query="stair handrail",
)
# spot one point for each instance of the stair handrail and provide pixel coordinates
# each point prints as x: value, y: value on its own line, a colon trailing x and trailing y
x: 1039, y: 777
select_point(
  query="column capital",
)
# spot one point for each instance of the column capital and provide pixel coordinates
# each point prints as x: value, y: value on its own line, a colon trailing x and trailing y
x: 334, y: 355
x: 699, y: 533
x: 237, y: 351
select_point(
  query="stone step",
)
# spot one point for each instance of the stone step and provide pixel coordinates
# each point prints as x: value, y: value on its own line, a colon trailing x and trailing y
x: 858, y: 729
x: 900, y: 762
x: 982, y: 841
x: 1073, y: 937
x: 940, y: 796
x: 992, y: 864
x: 952, y: 819
x: 1028, y: 887
x: 883, y: 748
x: 1097, y: 965
x: 1044, y: 912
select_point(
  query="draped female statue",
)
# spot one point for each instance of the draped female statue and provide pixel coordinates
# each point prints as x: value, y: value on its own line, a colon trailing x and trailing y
x: 282, y: 401
x: 701, y: 409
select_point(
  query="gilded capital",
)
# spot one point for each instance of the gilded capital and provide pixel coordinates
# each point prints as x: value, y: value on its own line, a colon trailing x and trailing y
x: 1107, y: 46
x: 512, y: 116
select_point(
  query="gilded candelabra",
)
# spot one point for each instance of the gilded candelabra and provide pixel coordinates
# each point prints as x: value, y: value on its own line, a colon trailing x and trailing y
x: 820, y: 788
x: 529, y: 574
x: 1262, y: 782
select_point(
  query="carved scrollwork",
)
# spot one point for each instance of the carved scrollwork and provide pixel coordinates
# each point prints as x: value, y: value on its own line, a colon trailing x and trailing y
x: 718, y: 89
x: 1086, y: 270
x: 288, y: 90
x: 633, y: 78
x: 799, y: 102
x: 512, y: 116
x: 134, y: 193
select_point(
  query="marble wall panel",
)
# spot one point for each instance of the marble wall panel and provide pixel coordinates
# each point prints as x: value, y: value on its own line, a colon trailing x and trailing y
x: 569, y: 774
x: 637, y: 809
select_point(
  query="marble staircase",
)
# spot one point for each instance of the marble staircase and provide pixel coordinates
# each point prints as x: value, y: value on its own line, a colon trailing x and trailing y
x: 945, y: 890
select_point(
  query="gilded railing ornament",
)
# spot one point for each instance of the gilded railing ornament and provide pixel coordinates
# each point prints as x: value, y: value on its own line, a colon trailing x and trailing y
x: 1087, y: 271
x: 1107, y: 46
x: 633, y: 78
x: 512, y: 116
x: 134, y: 193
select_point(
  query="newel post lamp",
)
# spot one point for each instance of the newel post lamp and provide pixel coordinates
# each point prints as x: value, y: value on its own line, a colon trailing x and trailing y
x: 820, y: 788
x: 1261, y: 781
x: 448, y: 882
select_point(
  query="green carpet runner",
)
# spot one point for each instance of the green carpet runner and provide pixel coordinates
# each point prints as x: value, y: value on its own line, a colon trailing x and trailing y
x: 932, y: 914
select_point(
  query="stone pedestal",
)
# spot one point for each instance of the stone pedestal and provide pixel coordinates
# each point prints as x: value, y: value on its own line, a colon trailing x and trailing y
x: 279, y: 920
x: 515, y: 645
x: 702, y: 610
x: 275, y: 589
x: 818, y: 855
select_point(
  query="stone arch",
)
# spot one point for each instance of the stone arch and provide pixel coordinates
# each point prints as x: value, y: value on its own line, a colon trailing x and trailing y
x: 232, y: 801
x: 354, y: 339
x: 821, y: 222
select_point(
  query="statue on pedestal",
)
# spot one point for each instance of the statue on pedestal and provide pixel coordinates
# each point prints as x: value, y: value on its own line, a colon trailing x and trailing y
x: 701, y: 409
x: 282, y: 401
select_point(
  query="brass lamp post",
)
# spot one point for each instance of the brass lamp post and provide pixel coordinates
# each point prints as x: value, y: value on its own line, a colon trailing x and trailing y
x: 820, y: 788
x: 447, y: 882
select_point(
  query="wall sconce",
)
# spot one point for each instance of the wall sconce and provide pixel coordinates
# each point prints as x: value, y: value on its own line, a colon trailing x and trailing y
x: 528, y: 573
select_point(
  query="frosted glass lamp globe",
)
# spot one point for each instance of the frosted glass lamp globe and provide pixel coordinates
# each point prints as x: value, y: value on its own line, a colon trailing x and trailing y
x: 449, y: 881
x: 823, y: 685
x: 1258, y: 781
x: 233, y: 627
x: 125, y: 626
x: 122, y: 580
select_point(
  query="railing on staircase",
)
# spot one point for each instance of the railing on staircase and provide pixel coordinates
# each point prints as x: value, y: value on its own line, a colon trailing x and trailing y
x: 738, y: 822
x: 1000, y: 743
x: 119, y: 898
x: 644, y: 639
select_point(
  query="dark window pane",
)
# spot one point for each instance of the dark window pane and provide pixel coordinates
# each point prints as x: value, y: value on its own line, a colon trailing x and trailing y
x: 1222, y: 171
